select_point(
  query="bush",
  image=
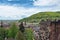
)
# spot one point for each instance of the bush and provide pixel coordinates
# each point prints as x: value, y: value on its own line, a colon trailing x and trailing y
x: 12, y: 31
x: 20, y: 36
x: 29, y: 34
x: 2, y: 33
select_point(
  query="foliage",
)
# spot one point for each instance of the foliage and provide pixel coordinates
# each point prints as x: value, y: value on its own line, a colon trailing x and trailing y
x: 29, y: 34
x: 12, y: 31
x: 2, y: 33
x: 7, y: 31
x: 20, y: 36
x: 42, y: 15
x: 21, y: 27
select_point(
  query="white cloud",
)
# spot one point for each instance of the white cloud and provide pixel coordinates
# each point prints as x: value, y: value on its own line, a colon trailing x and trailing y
x: 45, y: 2
x: 12, y: 12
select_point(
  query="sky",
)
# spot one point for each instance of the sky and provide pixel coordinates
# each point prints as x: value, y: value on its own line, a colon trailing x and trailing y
x: 18, y: 9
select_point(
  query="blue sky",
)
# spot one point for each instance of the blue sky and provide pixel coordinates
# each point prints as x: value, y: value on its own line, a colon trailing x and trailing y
x: 18, y: 9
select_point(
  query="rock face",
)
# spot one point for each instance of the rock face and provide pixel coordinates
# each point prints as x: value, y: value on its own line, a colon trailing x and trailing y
x: 49, y: 30
x: 55, y: 30
x: 44, y: 32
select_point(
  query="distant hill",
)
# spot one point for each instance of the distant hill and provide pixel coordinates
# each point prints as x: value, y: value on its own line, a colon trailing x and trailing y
x: 8, y: 21
x: 41, y: 15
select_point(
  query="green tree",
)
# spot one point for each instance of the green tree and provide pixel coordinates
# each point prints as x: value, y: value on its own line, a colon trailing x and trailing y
x: 29, y: 34
x: 13, y: 31
x: 2, y: 33
x: 21, y: 27
x: 20, y: 36
x: 7, y: 31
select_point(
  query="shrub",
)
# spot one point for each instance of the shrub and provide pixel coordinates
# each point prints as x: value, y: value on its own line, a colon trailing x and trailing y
x: 2, y: 33
x: 29, y: 34
x: 20, y: 36
x: 13, y: 31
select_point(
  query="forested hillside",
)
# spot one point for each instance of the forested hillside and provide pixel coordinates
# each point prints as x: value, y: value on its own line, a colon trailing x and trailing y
x: 42, y: 15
